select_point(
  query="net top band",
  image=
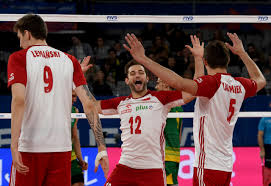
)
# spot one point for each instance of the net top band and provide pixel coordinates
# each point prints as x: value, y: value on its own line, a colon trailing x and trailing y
x: 146, y: 18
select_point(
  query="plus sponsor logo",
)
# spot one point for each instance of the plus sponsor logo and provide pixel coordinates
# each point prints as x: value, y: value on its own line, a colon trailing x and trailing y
x: 144, y: 107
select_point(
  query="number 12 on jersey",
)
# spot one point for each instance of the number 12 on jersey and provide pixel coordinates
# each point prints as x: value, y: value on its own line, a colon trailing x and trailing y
x: 138, y: 122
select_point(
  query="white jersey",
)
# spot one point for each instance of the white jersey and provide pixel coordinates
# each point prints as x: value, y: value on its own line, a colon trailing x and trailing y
x: 142, y: 125
x: 215, y: 115
x: 48, y: 75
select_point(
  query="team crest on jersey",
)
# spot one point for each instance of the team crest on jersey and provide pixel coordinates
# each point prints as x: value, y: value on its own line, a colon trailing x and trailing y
x: 127, y: 110
x: 11, y: 77
x: 199, y: 80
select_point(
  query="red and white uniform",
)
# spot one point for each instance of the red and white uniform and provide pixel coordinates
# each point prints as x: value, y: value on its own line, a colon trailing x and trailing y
x: 216, y: 112
x: 142, y: 125
x: 48, y: 75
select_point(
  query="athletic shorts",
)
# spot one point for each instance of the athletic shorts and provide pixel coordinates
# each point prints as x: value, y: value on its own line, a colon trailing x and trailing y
x: 75, y: 168
x: 45, y: 169
x: 172, y: 169
x: 79, y: 178
x: 76, y: 172
x: 210, y: 177
x: 266, y: 176
x: 126, y: 176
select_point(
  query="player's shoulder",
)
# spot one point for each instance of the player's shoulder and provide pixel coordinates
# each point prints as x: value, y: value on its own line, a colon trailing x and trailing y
x: 19, y: 53
x: 116, y: 100
x: 159, y: 93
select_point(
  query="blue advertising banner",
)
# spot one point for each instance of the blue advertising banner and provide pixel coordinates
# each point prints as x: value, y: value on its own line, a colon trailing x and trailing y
x: 245, y: 132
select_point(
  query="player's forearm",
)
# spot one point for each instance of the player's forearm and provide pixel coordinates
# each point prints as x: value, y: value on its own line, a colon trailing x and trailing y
x: 199, y: 71
x: 199, y: 67
x: 260, y: 142
x: 95, y: 124
x: 77, y: 148
x: 17, y: 110
x: 253, y: 70
x: 90, y: 109
x: 167, y: 75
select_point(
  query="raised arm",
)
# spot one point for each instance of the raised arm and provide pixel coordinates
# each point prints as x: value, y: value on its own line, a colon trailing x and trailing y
x: 253, y: 70
x: 171, y: 78
x: 17, y: 113
x: 88, y: 102
x: 197, y: 51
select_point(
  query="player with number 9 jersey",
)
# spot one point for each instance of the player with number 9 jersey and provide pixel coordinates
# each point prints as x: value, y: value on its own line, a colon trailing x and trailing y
x: 41, y: 80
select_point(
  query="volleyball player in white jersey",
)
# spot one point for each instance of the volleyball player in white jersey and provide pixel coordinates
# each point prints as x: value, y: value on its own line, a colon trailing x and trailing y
x: 41, y: 80
x: 219, y: 98
x: 143, y: 117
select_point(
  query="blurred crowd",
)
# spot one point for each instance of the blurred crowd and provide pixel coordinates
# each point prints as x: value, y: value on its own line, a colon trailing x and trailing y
x: 164, y: 44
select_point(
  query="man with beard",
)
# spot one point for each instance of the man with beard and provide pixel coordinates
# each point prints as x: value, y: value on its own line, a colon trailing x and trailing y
x: 143, y: 117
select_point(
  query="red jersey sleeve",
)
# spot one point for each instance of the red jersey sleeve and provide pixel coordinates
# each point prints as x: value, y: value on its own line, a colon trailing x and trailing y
x: 17, y: 68
x: 207, y: 86
x: 249, y: 85
x: 110, y: 106
x: 166, y: 97
x: 78, y: 76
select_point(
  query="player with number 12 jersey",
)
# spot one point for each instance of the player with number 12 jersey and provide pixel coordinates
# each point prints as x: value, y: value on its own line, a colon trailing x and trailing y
x: 143, y: 117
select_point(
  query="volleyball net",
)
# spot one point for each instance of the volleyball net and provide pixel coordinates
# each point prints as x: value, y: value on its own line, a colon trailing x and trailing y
x: 114, y: 27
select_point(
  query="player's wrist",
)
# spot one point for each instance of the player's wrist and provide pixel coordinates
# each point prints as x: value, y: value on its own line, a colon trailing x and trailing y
x: 99, y: 156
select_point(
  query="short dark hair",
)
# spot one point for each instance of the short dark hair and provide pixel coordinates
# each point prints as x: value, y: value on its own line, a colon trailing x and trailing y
x: 132, y: 63
x: 32, y: 23
x: 217, y: 54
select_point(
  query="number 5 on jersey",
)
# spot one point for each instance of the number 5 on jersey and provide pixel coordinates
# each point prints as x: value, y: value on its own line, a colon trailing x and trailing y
x: 48, y: 79
x: 231, y: 109
x: 138, y: 122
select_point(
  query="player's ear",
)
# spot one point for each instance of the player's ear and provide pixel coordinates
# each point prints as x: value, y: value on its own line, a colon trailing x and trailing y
x: 205, y: 62
x: 126, y: 80
x: 28, y: 34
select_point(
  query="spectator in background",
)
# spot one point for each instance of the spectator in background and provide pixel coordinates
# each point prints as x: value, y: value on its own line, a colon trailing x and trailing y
x: 256, y: 55
x: 149, y: 31
x: 267, y: 75
x: 179, y: 40
x: 109, y: 71
x: 101, y: 51
x: 171, y: 64
x: 218, y: 35
x: 264, y: 141
x: 100, y: 87
x: 79, y: 49
x: 158, y: 43
x: 118, y: 49
x: 184, y: 60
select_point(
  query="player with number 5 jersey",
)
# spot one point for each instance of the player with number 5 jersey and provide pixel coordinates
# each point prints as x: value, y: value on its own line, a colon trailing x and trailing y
x: 219, y: 99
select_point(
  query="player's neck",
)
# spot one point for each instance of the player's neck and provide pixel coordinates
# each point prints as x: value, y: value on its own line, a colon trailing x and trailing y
x: 139, y: 94
x: 214, y: 71
x: 37, y: 42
